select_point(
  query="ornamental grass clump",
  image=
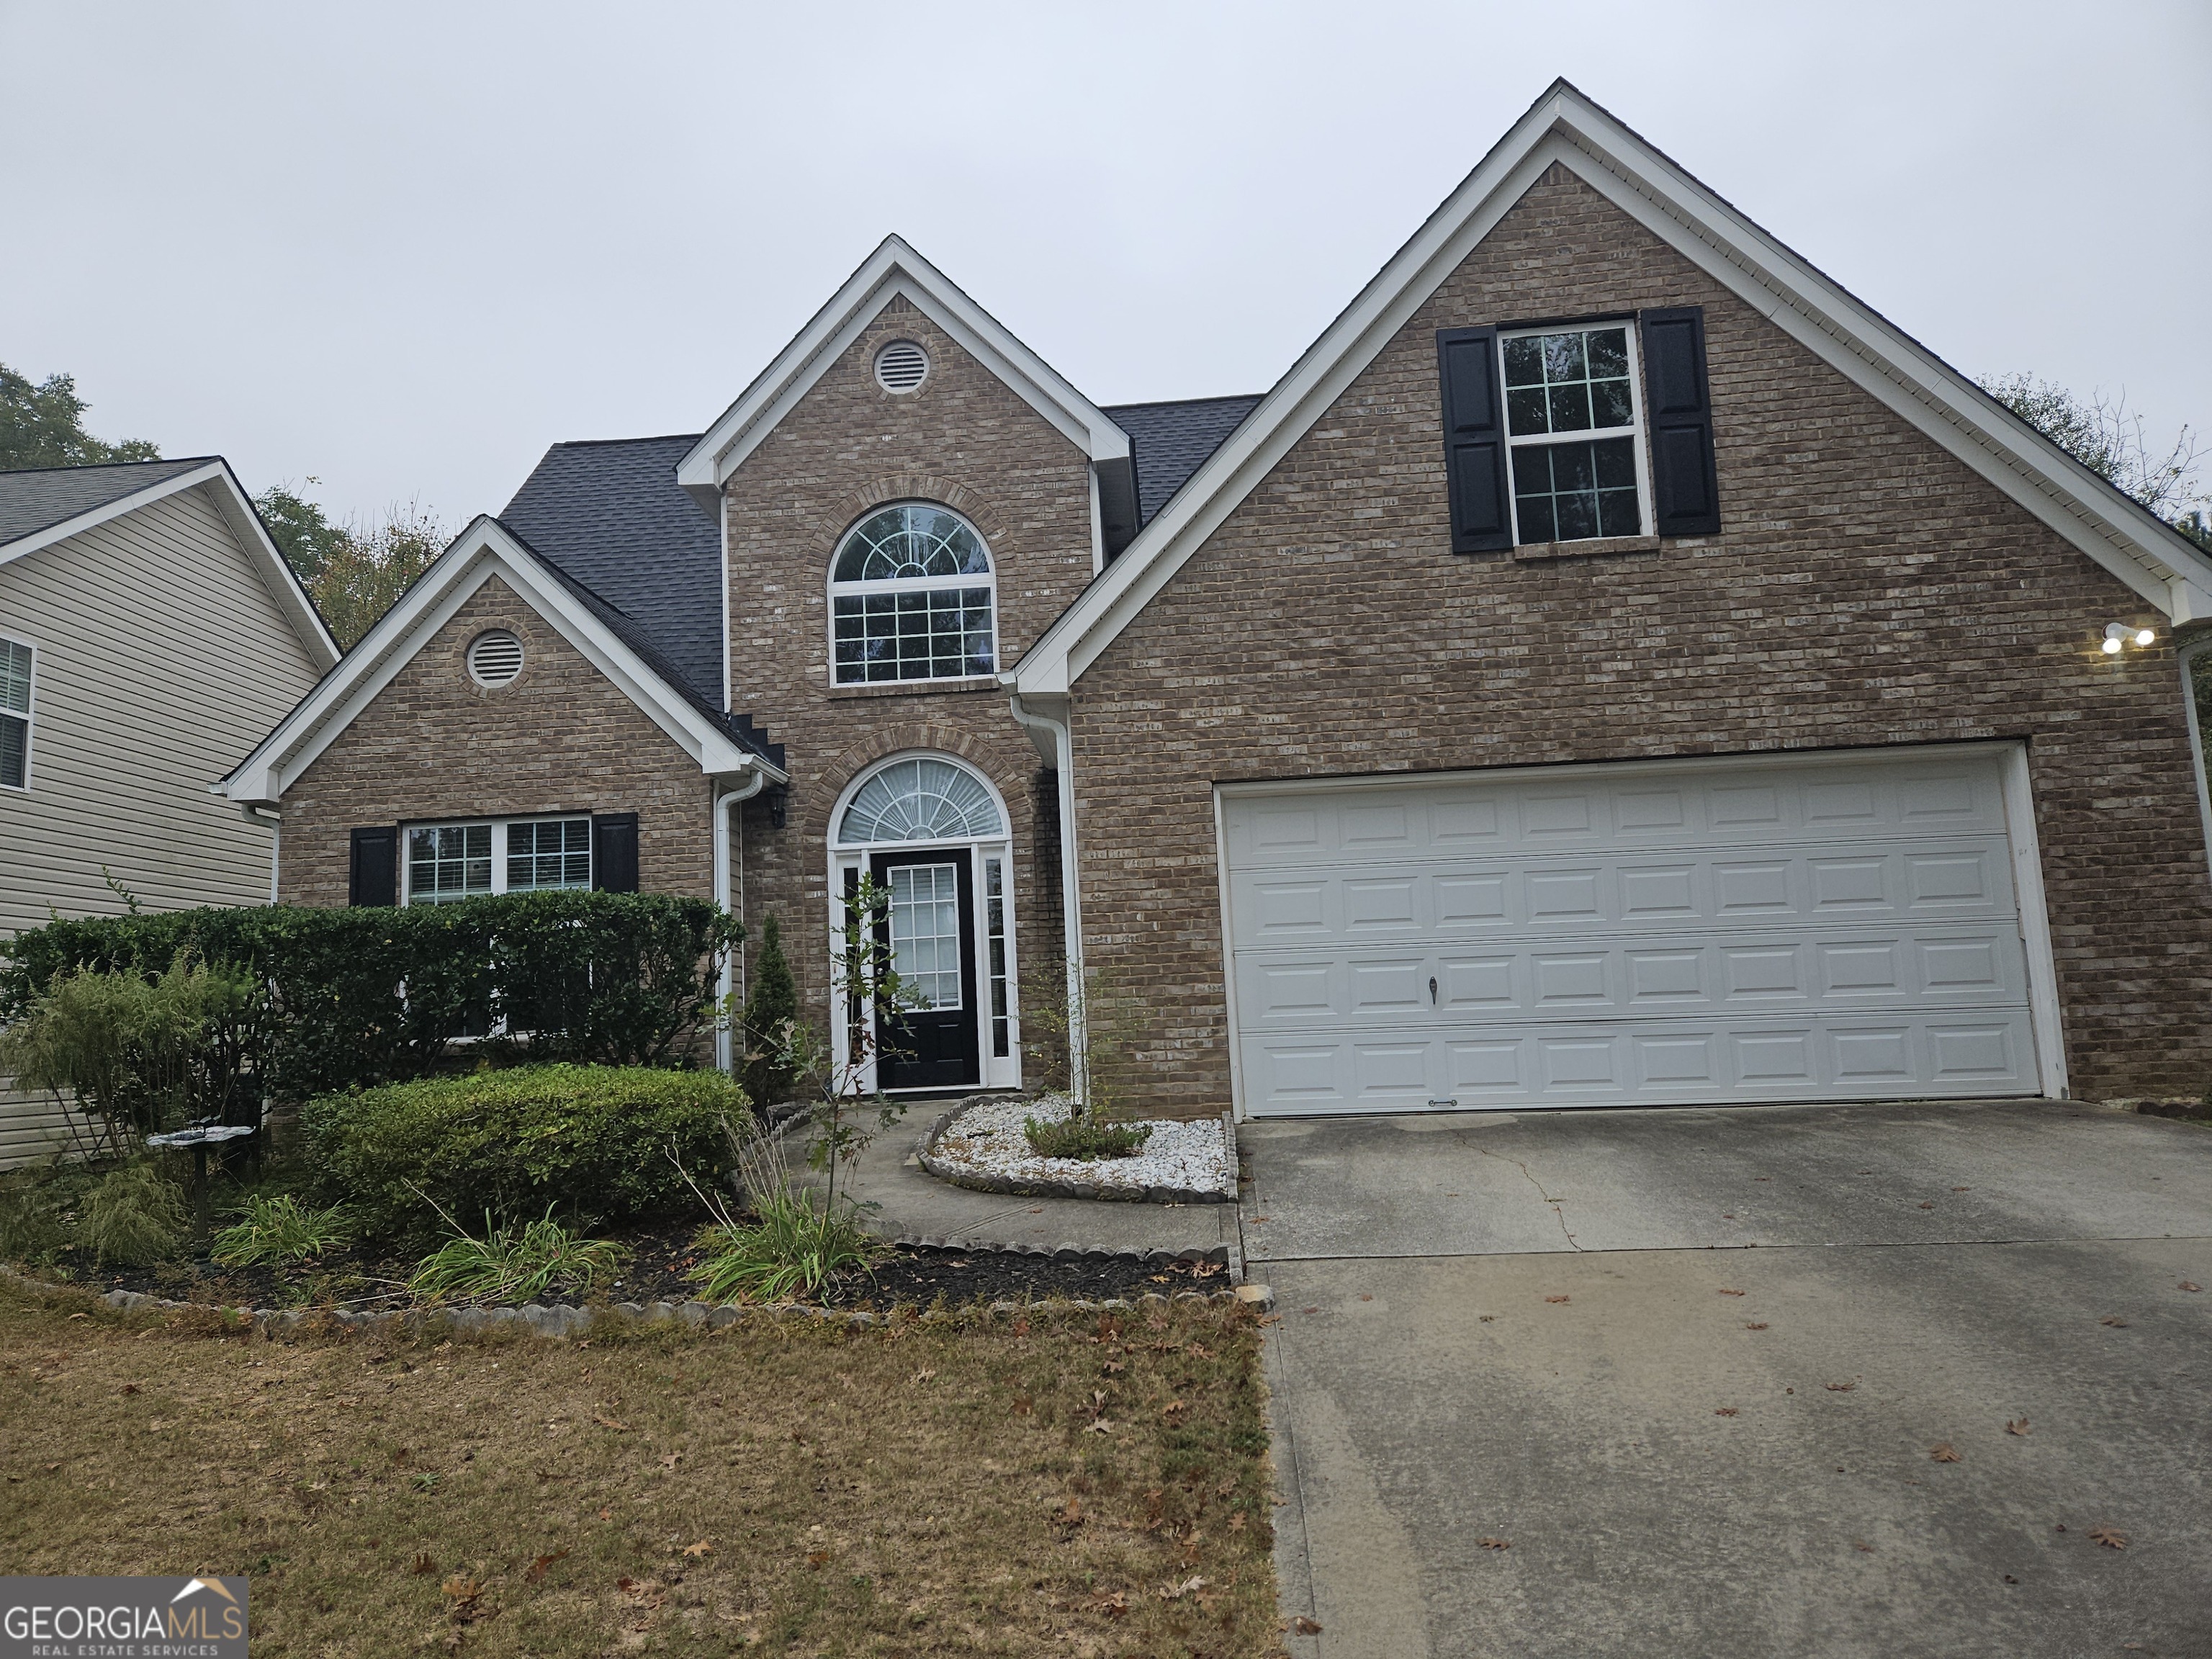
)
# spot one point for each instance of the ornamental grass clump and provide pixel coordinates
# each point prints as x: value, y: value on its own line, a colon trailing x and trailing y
x: 275, y: 1232
x: 796, y: 1247
x: 1085, y: 1138
x: 515, y: 1264
x: 134, y: 1216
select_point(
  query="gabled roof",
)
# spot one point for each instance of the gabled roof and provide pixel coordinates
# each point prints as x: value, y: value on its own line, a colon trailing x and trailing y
x: 1170, y: 441
x: 2152, y: 559
x: 893, y: 271
x: 721, y: 744
x: 611, y: 515
x: 40, y: 506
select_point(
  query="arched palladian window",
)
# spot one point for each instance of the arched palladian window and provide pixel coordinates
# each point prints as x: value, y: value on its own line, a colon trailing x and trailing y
x: 911, y: 599
x: 920, y: 799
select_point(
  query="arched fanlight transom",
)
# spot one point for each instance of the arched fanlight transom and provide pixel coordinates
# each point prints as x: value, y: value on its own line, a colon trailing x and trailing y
x: 920, y: 799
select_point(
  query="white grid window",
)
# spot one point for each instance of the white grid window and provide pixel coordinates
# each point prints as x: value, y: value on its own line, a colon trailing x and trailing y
x: 1579, y: 385
x: 14, y: 714
x: 925, y: 924
x: 911, y: 599
x: 451, y: 861
x: 550, y: 853
x: 994, y: 903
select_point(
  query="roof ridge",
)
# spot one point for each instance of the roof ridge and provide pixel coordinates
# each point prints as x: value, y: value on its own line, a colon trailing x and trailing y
x: 1175, y: 402
x: 604, y: 443
x: 100, y: 466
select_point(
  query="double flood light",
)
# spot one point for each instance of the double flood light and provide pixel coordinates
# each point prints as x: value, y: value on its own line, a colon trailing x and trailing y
x: 2117, y: 635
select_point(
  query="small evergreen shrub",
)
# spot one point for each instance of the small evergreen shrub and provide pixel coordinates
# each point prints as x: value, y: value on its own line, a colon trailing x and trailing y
x: 32, y: 1202
x: 1085, y: 1137
x: 769, y: 1009
x: 602, y: 1141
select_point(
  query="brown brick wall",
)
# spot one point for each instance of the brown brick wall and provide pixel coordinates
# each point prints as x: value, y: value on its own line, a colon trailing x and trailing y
x: 559, y: 739
x: 964, y: 440
x: 1866, y: 589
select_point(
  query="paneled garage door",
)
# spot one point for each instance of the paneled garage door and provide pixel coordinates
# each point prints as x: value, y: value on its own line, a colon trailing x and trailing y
x: 1749, y: 930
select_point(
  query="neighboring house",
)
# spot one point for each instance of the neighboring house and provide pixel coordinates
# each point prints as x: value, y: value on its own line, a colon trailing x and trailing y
x: 1612, y: 666
x: 150, y: 634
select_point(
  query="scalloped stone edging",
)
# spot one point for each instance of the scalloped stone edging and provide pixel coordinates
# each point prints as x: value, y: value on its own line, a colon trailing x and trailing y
x: 559, y: 1319
x: 954, y: 1175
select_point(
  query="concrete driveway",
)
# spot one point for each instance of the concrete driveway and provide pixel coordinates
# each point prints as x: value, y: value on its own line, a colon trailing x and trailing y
x: 1691, y: 1369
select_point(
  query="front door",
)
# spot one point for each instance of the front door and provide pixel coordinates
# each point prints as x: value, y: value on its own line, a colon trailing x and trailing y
x: 928, y: 925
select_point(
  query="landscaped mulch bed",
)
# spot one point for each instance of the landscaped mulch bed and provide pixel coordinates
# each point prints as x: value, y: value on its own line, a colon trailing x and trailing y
x: 657, y: 1271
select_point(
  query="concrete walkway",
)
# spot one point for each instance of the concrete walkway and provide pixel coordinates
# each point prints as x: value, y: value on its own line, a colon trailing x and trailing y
x: 1690, y: 1368
x: 915, y: 1205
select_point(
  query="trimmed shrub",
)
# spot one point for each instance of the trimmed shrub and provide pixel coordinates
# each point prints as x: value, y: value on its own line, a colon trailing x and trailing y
x: 592, y: 1141
x: 358, y: 997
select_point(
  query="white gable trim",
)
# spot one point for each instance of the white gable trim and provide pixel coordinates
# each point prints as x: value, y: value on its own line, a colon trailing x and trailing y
x: 2156, y: 562
x: 893, y: 271
x: 228, y: 497
x: 483, y: 551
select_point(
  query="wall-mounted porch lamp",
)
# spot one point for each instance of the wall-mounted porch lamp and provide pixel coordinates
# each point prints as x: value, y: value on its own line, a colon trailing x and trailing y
x: 2120, y: 634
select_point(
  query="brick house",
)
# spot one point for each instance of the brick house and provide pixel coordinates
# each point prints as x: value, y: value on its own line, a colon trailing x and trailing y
x: 1611, y: 666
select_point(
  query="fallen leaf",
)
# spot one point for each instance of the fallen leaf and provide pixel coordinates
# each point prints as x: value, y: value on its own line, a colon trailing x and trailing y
x: 1754, y: 1324
x: 1070, y: 1514
x: 2115, y: 1320
x: 702, y: 1548
x: 671, y: 1460
x: 1305, y: 1626
x: 1840, y: 1388
x: 2108, y: 1538
x: 424, y: 1566
x: 2009, y: 1579
x: 1021, y: 1405
x: 536, y: 1569
x: 1099, y: 1425
x: 1857, y: 1545
x: 1310, y: 1310
x: 1941, y: 1452
x: 1177, y: 1592
x: 2017, y: 1426
x: 2189, y: 1284
x: 1723, y: 1411
x: 1172, y: 1407
x: 817, y: 1559
x: 1112, y: 1603
x: 921, y: 1376
x: 1555, y: 1298
x: 609, y: 1423
x: 1114, y: 1366
x: 1236, y: 1523
x: 1494, y: 1543
x: 1962, y: 1190
x: 1927, y: 1203
x: 1729, y: 1292
x: 606, y: 1515
x: 1365, y: 1296
x: 129, y: 1387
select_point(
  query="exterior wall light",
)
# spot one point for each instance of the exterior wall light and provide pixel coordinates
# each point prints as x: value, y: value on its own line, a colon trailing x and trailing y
x: 2119, y: 634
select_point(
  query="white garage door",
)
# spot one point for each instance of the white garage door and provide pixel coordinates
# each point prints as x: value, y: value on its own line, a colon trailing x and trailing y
x: 1724, y: 931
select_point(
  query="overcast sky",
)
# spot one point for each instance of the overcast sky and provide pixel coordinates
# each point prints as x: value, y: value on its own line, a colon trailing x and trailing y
x: 402, y: 248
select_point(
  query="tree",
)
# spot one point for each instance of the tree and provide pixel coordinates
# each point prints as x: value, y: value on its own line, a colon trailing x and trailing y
x: 2102, y: 435
x: 43, y: 425
x: 363, y: 573
x: 769, y: 1009
x: 301, y: 531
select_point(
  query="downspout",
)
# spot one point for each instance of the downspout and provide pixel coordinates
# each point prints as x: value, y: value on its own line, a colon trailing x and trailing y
x: 1070, y: 908
x: 276, y: 823
x: 720, y: 814
x: 2193, y: 642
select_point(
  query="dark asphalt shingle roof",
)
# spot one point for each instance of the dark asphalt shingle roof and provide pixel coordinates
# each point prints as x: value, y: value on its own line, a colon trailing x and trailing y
x: 40, y: 498
x: 1170, y: 441
x: 611, y: 516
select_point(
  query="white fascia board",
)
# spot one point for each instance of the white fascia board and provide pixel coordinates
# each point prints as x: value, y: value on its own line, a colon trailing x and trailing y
x: 483, y: 551
x: 2150, y: 557
x: 894, y: 270
x: 229, y: 498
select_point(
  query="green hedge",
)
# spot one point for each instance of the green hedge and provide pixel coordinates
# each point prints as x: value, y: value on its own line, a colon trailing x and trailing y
x: 591, y: 1141
x: 358, y: 997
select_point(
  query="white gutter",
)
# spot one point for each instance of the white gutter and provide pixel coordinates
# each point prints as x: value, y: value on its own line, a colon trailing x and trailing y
x: 732, y: 982
x: 1047, y: 730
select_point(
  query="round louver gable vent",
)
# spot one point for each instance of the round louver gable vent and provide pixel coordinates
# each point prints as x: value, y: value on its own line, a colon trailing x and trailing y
x: 902, y: 365
x: 495, y: 657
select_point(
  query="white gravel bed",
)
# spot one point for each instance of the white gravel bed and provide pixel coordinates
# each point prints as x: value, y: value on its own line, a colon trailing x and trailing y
x: 986, y: 1139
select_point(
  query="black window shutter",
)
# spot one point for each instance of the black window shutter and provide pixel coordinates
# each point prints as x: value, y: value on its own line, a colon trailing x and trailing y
x: 614, y: 853
x: 1685, y: 494
x: 1474, y: 441
x: 373, y: 877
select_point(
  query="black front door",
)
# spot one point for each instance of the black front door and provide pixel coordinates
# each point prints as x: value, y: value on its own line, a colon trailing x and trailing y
x: 928, y: 925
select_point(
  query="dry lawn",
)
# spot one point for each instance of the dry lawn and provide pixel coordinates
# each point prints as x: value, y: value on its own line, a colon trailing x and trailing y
x: 1056, y: 1482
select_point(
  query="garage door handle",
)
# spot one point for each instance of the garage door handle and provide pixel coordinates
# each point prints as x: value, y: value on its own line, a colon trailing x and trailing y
x: 1432, y: 990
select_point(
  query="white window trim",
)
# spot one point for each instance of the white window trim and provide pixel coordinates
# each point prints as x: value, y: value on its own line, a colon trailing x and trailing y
x: 30, y: 715
x: 988, y: 580
x: 499, y: 827
x: 995, y: 1072
x: 1634, y: 431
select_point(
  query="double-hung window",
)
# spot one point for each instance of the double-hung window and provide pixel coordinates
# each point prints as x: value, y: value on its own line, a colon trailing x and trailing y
x: 14, y: 714
x: 1575, y: 434
x: 450, y: 861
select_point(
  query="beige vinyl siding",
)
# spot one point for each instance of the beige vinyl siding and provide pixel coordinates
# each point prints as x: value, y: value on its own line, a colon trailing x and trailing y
x: 162, y: 659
